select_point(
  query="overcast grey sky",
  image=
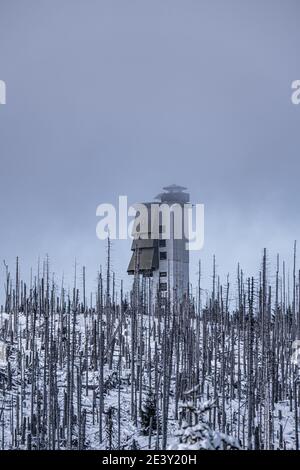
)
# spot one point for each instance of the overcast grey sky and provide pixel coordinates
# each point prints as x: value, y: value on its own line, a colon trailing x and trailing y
x: 109, y: 97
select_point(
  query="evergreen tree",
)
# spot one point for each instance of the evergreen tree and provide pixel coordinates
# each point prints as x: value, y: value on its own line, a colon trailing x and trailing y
x: 134, y: 445
x: 110, y: 427
x: 148, y: 413
x: 196, y: 434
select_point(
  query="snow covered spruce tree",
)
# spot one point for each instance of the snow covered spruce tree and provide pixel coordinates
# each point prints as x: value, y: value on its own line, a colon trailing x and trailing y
x: 148, y: 414
x: 110, y: 428
x: 195, y: 432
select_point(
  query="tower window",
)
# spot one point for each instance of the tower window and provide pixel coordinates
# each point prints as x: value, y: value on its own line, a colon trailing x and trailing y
x: 162, y: 274
x: 162, y: 243
x: 163, y: 255
x: 163, y: 286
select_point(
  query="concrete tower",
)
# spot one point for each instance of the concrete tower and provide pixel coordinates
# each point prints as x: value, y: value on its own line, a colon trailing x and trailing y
x: 159, y: 250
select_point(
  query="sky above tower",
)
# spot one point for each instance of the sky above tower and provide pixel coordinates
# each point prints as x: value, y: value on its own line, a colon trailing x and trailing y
x: 109, y: 98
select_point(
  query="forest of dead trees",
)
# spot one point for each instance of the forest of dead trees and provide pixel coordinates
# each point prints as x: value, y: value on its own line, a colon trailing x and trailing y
x: 125, y: 371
